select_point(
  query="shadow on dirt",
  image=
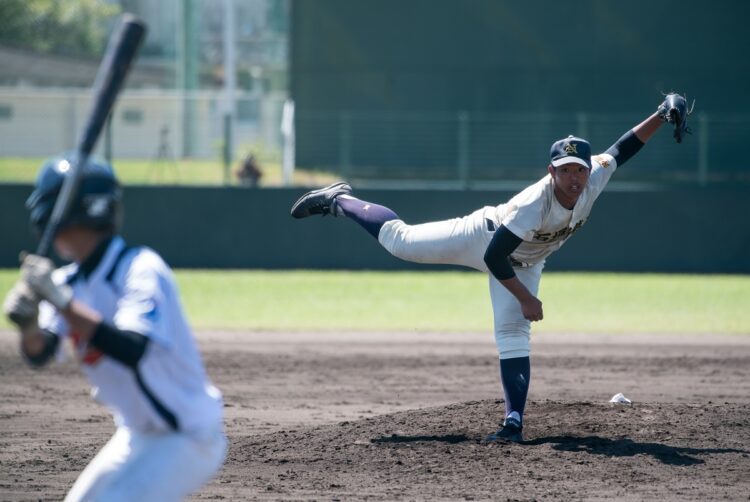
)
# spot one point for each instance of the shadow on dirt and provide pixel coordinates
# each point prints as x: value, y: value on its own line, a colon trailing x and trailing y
x: 624, y: 447
x: 395, y: 438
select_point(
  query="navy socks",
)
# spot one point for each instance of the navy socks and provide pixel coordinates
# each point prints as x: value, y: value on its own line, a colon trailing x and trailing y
x: 515, y: 374
x: 370, y: 216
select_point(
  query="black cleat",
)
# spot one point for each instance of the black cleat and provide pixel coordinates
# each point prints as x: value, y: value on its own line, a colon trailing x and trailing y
x: 319, y: 201
x: 511, y: 431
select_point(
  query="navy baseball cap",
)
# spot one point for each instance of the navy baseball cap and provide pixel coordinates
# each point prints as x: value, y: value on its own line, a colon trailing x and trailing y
x: 571, y: 149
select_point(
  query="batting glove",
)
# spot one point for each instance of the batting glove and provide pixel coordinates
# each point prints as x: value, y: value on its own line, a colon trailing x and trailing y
x: 37, y: 272
x: 22, y: 305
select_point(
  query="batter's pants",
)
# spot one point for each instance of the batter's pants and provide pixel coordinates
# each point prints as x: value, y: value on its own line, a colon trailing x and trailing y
x: 150, y: 467
x: 463, y: 241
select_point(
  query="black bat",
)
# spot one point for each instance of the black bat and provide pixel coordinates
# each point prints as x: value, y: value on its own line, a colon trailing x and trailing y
x: 114, y: 67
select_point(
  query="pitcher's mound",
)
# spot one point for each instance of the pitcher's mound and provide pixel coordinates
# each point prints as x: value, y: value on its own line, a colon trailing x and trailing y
x: 572, y: 451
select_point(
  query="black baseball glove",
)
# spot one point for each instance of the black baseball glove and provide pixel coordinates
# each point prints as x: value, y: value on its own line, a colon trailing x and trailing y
x: 674, y: 110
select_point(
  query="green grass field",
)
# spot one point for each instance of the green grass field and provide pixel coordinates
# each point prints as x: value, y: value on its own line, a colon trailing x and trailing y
x: 456, y: 301
x: 148, y: 172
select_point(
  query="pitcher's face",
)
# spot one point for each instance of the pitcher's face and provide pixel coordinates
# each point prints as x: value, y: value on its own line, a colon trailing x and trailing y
x: 570, y: 180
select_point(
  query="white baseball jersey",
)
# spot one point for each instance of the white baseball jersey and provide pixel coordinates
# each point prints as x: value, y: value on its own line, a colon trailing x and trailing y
x: 536, y: 216
x: 133, y: 289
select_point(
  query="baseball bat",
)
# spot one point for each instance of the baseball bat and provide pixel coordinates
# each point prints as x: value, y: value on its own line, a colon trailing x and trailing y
x: 120, y: 53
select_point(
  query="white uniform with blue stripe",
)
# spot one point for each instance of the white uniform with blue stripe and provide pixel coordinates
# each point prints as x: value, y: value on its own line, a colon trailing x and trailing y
x: 168, y: 414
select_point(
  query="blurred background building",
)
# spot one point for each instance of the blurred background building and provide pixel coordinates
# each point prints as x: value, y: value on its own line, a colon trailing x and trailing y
x: 50, y: 50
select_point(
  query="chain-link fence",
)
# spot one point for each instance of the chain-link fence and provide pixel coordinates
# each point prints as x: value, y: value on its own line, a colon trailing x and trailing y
x: 468, y: 148
x: 459, y: 149
x: 144, y: 124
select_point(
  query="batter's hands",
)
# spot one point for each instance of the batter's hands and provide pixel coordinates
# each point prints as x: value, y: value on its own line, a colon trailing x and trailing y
x: 37, y: 273
x: 532, y: 309
x: 22, y: 305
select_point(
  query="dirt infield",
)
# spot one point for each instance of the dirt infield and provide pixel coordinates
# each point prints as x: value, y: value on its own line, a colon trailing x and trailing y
x: 401, y: 416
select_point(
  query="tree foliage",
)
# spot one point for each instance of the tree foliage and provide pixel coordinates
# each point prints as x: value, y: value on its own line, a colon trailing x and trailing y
x: 70, y: 27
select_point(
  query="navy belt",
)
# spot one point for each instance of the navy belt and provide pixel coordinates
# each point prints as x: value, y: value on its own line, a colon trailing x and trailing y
x: 516, y: 263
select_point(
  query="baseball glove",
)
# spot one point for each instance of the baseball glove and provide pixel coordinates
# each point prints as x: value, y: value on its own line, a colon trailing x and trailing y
x: 674, y: 110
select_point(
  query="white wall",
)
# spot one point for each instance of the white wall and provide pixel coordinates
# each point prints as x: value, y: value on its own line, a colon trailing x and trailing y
x: 42, y: 122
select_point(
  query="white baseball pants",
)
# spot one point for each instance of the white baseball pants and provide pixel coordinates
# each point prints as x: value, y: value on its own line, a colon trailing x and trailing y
x: 150, y: 467
x: 463, y: 241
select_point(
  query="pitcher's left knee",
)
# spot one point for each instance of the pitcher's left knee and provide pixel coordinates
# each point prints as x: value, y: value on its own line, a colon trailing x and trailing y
x: 512, y: 344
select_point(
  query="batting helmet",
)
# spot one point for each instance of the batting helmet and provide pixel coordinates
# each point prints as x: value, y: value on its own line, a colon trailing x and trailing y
x: 97, y: 205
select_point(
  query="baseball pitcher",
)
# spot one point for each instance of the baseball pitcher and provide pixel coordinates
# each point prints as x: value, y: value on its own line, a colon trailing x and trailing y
x: 511, y: 241
x: 119, y: 307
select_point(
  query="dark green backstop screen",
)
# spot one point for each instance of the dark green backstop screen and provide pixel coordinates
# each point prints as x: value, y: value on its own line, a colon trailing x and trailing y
x: 379, y: 84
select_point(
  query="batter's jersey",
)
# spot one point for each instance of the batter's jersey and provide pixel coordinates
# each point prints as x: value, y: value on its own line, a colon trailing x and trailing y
x: 133, y: 289
x: 536, y: 216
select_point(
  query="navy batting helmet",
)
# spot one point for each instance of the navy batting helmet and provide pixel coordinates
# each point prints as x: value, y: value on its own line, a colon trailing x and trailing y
x: 98, y: 204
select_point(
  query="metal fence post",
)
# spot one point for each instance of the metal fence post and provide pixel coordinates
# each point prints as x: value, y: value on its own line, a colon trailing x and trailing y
x: 227, y: 148
x: 71, y: 126
x: 187, y: 73
x: 583, y: 125
x: 108, y: 138
x: 345, y: 140
x: 463, y: 149
x: 702, y: 149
